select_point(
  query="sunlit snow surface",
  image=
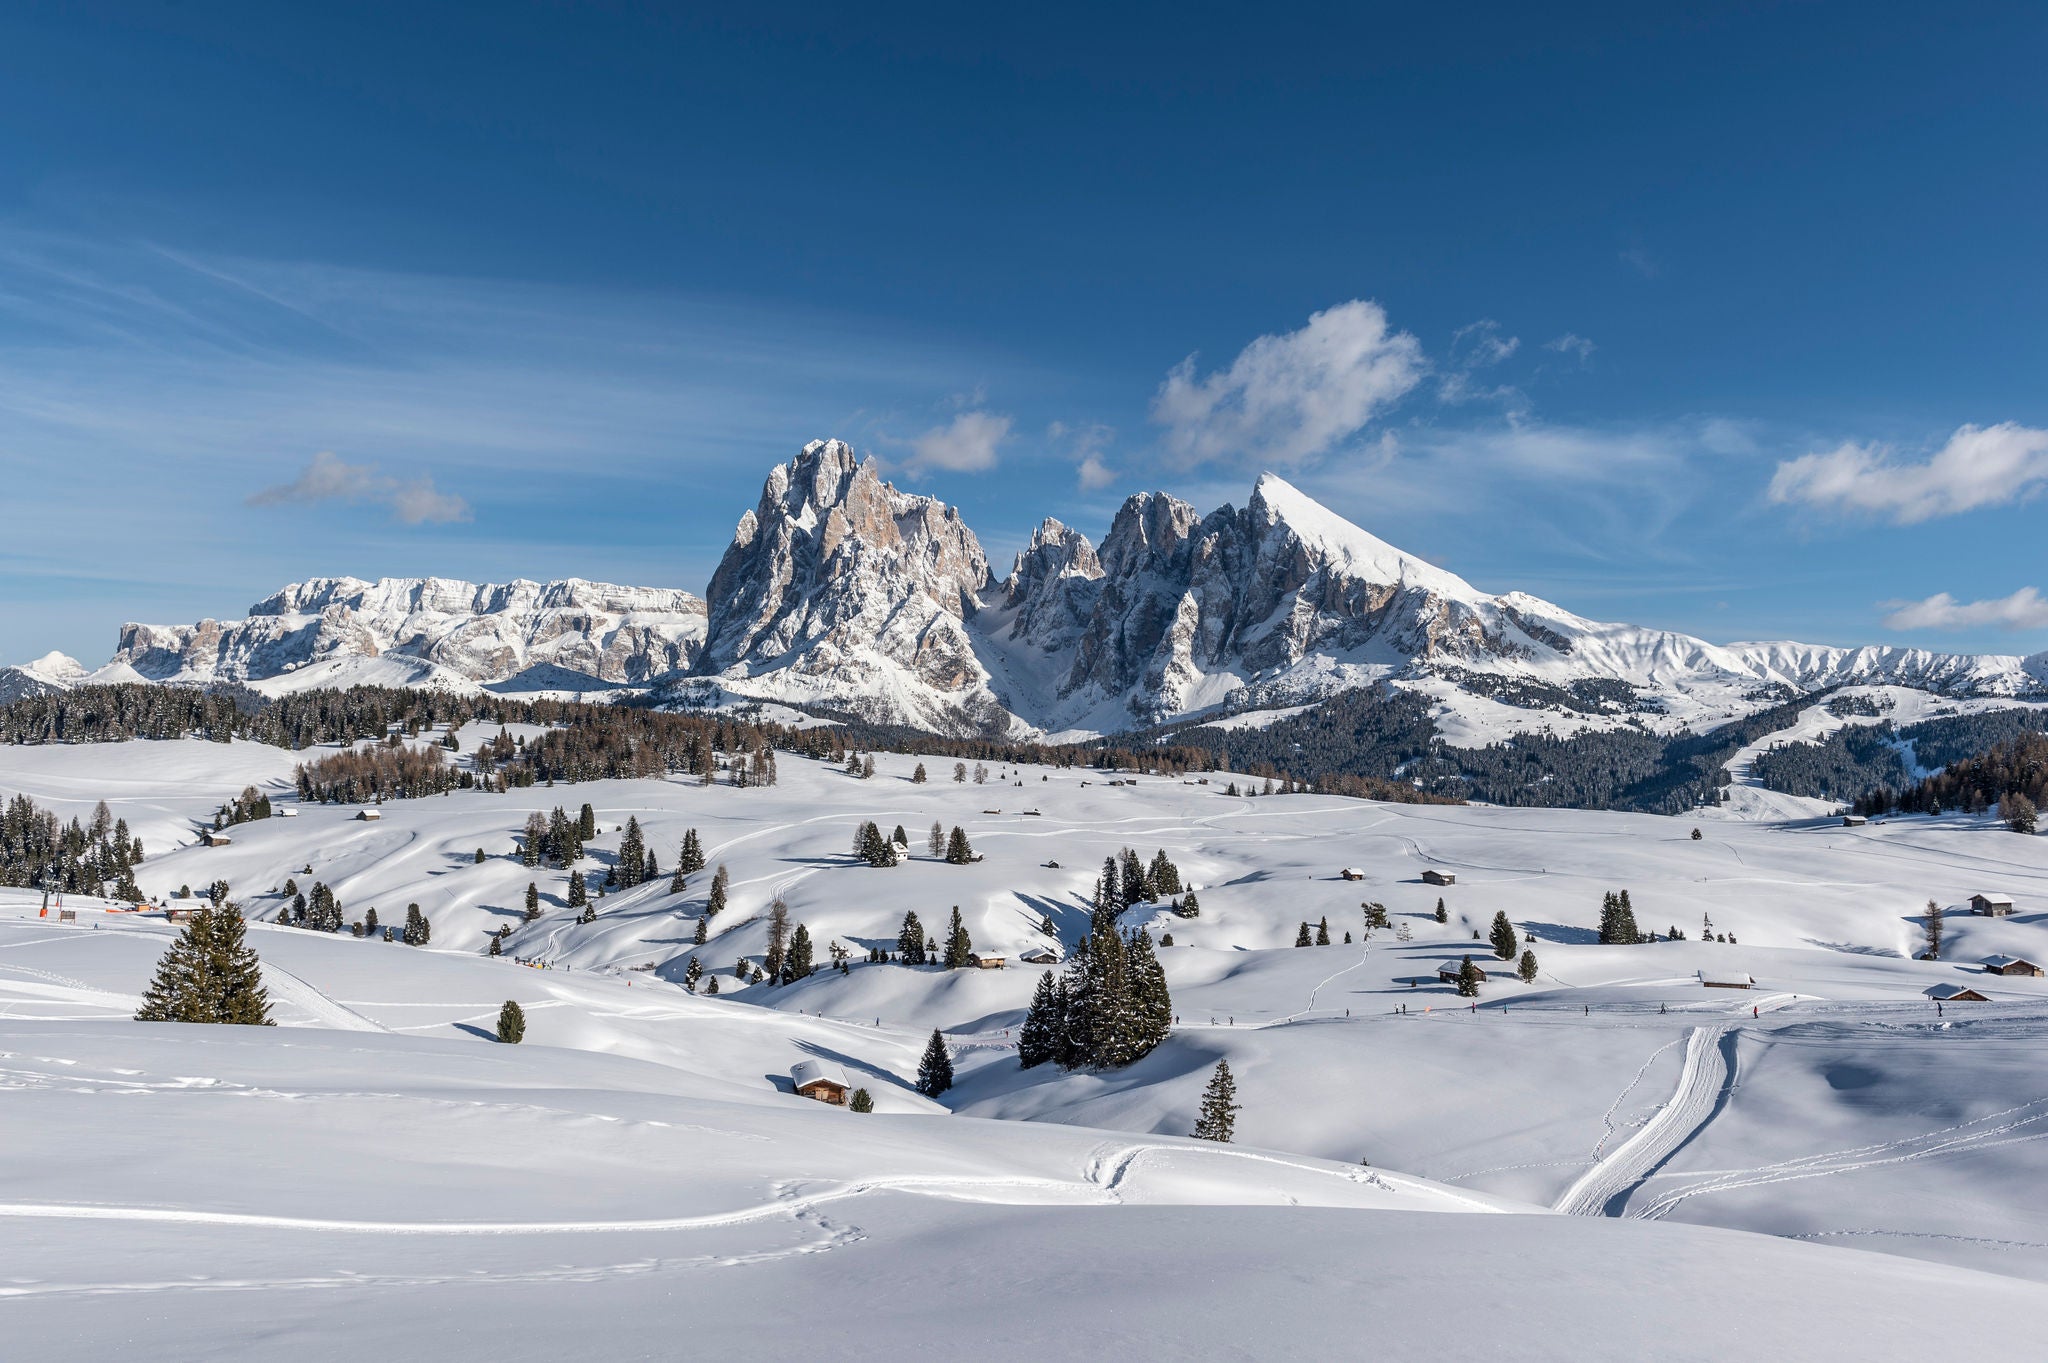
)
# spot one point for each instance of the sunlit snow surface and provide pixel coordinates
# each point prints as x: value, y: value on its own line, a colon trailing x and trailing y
x: 378, y: 1179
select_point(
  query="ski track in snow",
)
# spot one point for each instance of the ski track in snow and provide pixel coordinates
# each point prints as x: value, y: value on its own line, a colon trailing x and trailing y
x: 1699, y: 1085
x: 290, y: 988
x: 1981, y: 1133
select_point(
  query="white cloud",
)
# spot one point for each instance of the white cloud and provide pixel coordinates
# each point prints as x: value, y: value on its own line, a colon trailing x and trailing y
x: 1571, y: 344
x: 1642, y: 262
x: 1979, y: 466
x: 328, y: 478
x: 966, y: 444
x: 1475, y: 347
x: 1288, y: 399
x: 2024, y: 609
x: 1086, y: 452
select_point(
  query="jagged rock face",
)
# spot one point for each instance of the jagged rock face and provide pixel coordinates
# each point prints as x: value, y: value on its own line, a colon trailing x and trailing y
x: 1051, y: 589
x: 485, y: 633
x: 1187, y: 605
x: 838, y: 589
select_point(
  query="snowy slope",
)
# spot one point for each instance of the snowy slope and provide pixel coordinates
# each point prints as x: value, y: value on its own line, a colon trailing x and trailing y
x: 330, y: 1195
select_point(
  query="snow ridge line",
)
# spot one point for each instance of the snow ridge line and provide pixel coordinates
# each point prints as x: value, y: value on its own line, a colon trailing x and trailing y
x: 336, y: 1015
x: 1699, y: 1083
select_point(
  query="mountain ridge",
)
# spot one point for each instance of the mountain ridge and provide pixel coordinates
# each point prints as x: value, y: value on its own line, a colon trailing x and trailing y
x: 841, y: 592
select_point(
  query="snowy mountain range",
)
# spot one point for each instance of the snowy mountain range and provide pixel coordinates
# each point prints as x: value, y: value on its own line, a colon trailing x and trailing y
x: 840, y: 591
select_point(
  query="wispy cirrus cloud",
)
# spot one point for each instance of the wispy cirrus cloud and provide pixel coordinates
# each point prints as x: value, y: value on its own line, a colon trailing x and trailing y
x: 1978, y: 466
x: 1289, y: 398
x: 2024, y: 609
x: 328, y: 478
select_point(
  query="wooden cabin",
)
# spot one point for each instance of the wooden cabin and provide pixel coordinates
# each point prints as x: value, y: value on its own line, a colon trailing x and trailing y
x: 1955, y: 993
x: 1726, y: 979
x: 819, y: 1079
x: 1039, y: 956
x: 1448, y: 971
x: 1991, y: 905
x: 183, y: 915
x: 985, y: 962
x: 2010, y: 965
x: 1853, y: 821
x: 369, y: 815
x: 1438, y: 878
x: 1352, y: 873
x: 284, y: 812
x: 214, y: 837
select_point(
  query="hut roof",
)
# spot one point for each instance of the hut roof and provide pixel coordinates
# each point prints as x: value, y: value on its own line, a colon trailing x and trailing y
x: 1727, y: 977
x: 1952, y: 991
x: 806, y: 1072
x: 2002, y: 961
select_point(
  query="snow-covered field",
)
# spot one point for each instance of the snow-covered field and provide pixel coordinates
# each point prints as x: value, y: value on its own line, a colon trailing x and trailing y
x: 378, y: 1178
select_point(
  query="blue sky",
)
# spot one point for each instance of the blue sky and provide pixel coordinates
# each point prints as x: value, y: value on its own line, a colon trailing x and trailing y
x: 1729, y: 322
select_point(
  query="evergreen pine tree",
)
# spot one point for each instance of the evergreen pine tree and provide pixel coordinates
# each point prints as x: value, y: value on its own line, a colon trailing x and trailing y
x: 1323, y: 932
x: 959, y: 947
x: 917, y: 777
x: 370, y: 920
x: 1151, y: 1004
x: 1302, y: 938
x: 631, y: 867
x: 1468, y: 980
x: 862, y: 1100
x: 715, y: 904
x: 579, y: 894
x: 703, y: 933
x: 1038, y: 1039
x: 586, y: 824
x: 209, y: 974
x: 1527, y: 969
x: 798, y: 964
x: 511, y: 1023
x: 1505, y: 944
x: 532, y: 905
x: 778, y: 937
x: 692, y: 973
x: 1217, y: 1120
x: 479, y: 856
x: 935, y: 1069
x: 1165, y: 875
x: 958, y: 853
x: 497, y: 947
x: 1442, y: 915
x: 691, y: 859
x: 910, y: 941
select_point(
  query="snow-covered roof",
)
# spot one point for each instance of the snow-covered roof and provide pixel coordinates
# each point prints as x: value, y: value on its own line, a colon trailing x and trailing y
x: 1992, y: 897
x: 2001, y: 961
x: 1455, y: 966
x: 805, y: 1072
x: 1726, y: 977
x: 1949, y: 991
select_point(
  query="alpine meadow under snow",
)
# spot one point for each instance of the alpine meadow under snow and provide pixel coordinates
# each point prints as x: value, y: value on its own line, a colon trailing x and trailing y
x: 1610, y: 1159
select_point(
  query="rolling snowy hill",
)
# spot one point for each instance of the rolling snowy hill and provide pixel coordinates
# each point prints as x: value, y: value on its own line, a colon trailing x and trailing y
x: 377, y: 1164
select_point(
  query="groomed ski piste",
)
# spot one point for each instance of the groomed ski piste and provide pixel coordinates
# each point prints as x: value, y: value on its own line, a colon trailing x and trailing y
x: 1610, y: 1162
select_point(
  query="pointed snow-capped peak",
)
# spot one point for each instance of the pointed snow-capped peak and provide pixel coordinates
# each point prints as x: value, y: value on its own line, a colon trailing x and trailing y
x: 59, y: 668
x: 1346, y: 548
